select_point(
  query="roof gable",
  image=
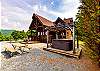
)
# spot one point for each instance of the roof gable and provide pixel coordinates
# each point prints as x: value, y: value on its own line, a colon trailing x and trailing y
x: 59, y: 20
x: 44, y: 21
x: 68, y: 20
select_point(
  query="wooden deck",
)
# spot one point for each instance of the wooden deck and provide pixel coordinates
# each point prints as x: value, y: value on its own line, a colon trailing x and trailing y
x: 77, y: 53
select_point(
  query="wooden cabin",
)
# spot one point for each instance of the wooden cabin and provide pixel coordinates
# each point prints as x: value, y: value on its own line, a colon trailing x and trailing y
x: 40, y: 24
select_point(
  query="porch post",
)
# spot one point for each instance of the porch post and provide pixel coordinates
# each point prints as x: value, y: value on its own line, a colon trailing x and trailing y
x: 36, y: 34
x: 77, y: 40
x: 31, y: 35
x: 42, y: 35
x: 47, y: 37
x: 73, y: 38
x: 56, y: 35
x: 62, y: 35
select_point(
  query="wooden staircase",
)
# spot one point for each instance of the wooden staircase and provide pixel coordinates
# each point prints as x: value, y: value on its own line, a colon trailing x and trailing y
x: 77, y: 53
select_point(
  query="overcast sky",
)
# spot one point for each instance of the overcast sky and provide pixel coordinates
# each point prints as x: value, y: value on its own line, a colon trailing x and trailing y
x: 17, y: 14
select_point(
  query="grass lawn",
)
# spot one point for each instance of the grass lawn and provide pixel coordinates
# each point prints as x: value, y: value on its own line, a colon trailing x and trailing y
x: 80, y: 42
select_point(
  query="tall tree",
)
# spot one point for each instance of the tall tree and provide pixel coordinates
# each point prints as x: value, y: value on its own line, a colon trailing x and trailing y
x: 86, y: 22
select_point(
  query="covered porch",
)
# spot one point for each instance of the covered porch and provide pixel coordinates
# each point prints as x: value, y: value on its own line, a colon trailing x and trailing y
x: 64, y: 45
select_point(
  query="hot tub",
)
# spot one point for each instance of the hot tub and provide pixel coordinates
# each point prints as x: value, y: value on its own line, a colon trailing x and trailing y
x: 62, y: 44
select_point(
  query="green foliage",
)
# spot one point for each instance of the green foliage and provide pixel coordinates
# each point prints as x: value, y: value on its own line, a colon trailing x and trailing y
x: 15, y: 35
x: 22, y: 35
x: 18, y: 35
x: 87, y: 27
x: 31, y: 33
x: 5, y: 37
x: 1, y: 36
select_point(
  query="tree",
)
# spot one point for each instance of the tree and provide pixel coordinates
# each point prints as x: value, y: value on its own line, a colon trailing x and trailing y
x: 31, y: 32
x: 18, y: 35
x: 87, y: 27
x: 1, y: 36
x: 15, y: 35
x: 22, y: 35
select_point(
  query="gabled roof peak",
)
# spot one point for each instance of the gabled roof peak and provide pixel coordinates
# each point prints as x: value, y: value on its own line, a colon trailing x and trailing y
x: 43, y: 20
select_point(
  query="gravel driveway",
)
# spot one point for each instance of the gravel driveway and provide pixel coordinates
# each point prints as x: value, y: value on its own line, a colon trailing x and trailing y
x: 40, y: 60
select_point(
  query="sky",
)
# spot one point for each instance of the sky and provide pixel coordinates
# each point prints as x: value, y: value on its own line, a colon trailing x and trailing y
x: 17, y: 14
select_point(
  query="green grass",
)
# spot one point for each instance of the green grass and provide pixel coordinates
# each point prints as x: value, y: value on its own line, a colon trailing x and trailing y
x: 80, y: 42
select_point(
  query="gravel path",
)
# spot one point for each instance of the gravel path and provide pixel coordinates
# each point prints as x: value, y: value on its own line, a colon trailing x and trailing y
x: 40, y: 60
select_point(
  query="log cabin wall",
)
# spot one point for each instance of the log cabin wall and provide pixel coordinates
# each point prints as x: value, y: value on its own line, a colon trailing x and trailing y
x: 68, y: 34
